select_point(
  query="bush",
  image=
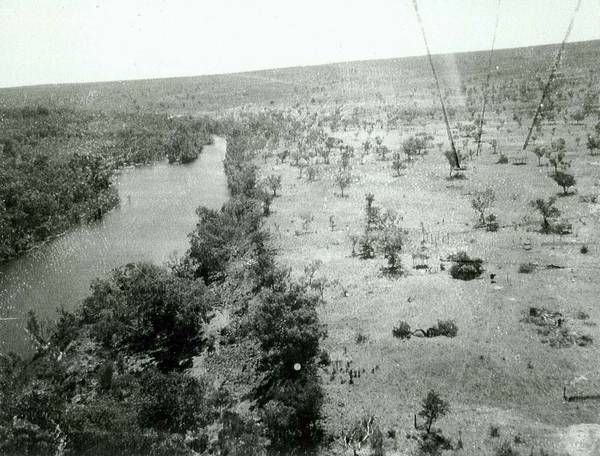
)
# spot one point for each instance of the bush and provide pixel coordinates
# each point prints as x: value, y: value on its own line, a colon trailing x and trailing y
x: 361, y: 338
x: 526, y: 268
x: 494, y: 431
x: 445, y: 328
x: 585, y: 340
x: 584, y: 249
x: 464, y: 267
x: 402, y: 331
x: 377, y: 442
x: 366, y: 247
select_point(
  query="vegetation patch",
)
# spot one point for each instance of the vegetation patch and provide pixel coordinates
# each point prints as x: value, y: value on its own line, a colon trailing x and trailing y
x: 465, y: 267
x: 553, y: 329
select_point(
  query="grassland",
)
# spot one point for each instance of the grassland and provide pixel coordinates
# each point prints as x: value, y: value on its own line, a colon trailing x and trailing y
x: 497, y: 371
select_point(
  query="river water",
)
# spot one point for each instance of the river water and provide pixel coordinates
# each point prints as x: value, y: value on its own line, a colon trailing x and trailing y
x: 156, y: 214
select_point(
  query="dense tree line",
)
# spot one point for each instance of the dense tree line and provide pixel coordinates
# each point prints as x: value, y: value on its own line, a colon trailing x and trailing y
x: 216, y: 353
x: 56, y: 166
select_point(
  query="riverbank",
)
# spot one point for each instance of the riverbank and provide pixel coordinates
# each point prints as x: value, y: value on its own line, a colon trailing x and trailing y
x: 114, y: 378
x: 56, y: 166
x: 152, y: 223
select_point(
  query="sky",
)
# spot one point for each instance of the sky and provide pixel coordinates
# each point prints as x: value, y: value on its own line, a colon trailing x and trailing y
x: 60, y: 41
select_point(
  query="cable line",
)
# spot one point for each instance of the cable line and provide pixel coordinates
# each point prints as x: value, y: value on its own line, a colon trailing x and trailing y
x: 553, y: 69
x: 487, y: 80
x: 437, y: 84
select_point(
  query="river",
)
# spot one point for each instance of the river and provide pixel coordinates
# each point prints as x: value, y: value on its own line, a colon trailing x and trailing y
x: 156, y: 213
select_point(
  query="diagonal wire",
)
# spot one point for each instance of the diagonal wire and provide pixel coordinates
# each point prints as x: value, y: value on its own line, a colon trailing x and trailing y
x: 437, y: 84
x: 487, y: 81
x: 555, y: 65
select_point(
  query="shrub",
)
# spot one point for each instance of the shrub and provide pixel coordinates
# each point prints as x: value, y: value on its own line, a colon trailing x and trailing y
x: 494, y: 431
x: 592, y: 199
x: 402, y: 331
x: 366, y: 247
x: 583, y: 249
x: 464, y: 267
x: 564, y: 180
x: 585, y: 340
x: 361, y: 337
x: 445, y: 328
x: 434, y: 443
x: 526, y: 268
x: 377, y: 441
x: 518, y: 439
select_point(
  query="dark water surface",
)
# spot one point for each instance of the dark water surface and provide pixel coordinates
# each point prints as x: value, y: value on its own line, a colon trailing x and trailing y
x: 156, y: 213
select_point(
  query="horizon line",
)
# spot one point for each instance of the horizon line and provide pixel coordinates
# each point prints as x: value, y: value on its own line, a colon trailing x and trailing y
x: 286, y: 67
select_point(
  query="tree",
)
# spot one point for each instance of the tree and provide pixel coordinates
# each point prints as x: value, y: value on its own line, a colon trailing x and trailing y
x: 221, y: 235
x: 556, y: 154
x: 343, y: 179
x: 366, y: 146
x: 481, y: 202
x: 555, y: 158
x: 451, y: 160
x: 286, y: 325
x: 414, y: 146
x: 390, y: 243
x: 433, y: 408
x: 540, y: 152
x: 382, y: 151
x: 143, y: 308
x: 565, y: 180
x: 398, y: 163
x: 347, y: 153
x: 274, y: 183
x: 547, y: 210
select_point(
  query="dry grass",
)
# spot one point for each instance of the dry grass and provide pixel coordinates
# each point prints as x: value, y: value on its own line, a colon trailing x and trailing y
x: 496, y: 371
